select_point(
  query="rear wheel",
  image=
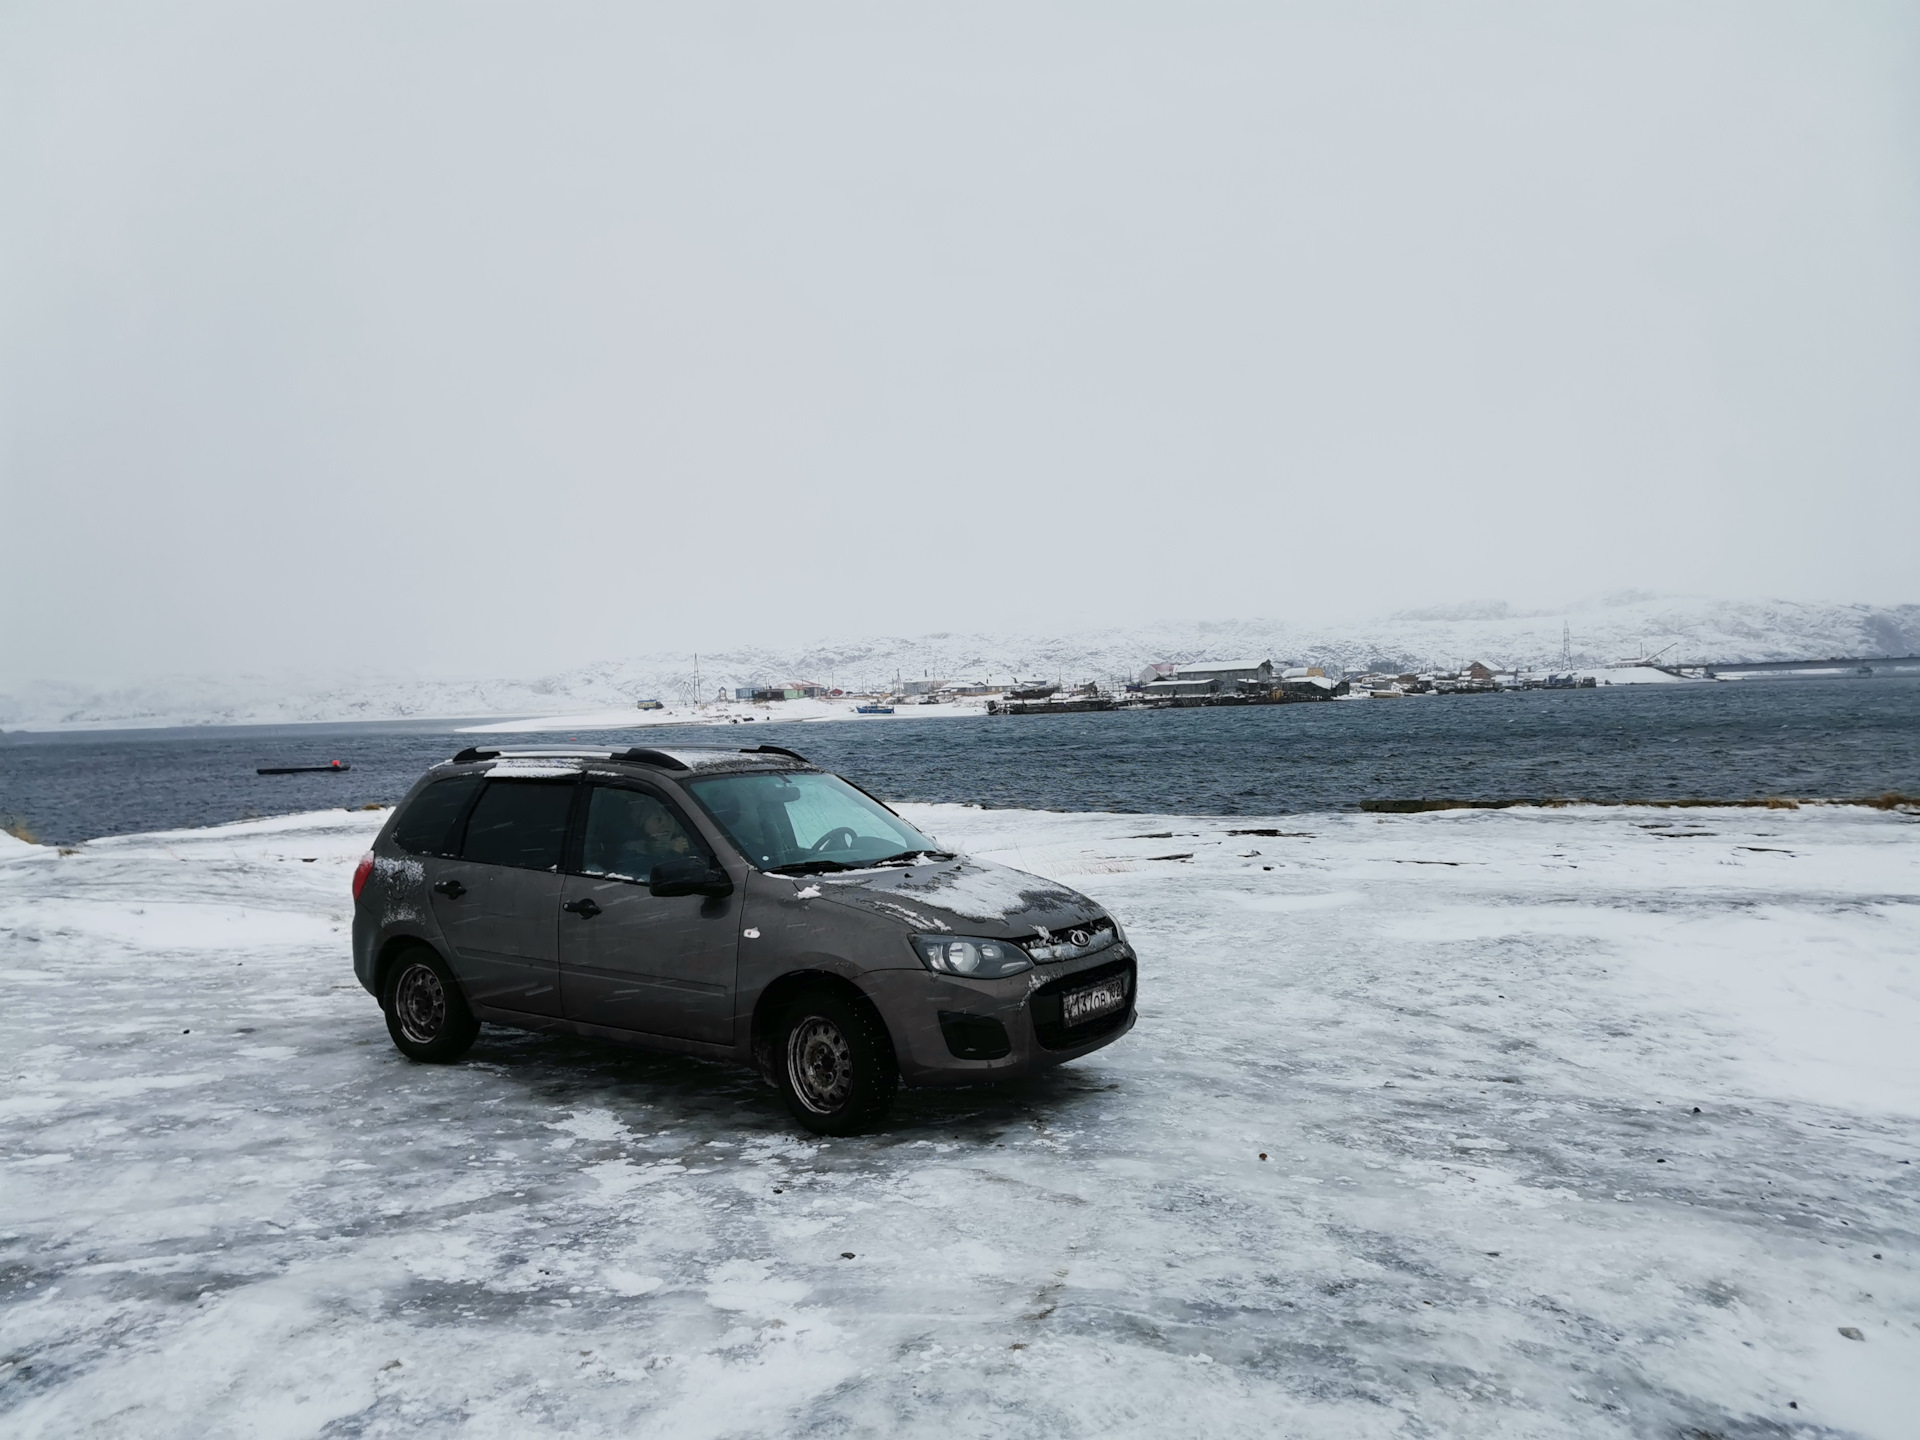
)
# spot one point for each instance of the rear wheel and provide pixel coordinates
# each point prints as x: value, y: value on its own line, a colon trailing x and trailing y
x: 427, y: 1016
x: 836, y: 1065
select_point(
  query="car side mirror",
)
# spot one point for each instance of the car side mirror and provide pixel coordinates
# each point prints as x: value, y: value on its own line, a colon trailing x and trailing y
x: 688, y: 875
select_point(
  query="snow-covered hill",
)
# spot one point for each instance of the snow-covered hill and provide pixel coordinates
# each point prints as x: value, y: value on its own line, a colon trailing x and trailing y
x: 1602, y: 631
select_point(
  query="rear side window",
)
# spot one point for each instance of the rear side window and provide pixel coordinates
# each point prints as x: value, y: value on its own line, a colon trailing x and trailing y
x: 427, y: 826
x: 522, y: 823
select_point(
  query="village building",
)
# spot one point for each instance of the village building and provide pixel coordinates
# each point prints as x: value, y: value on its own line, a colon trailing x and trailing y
x: 1227, y: 672
x: 785, y: 690
x: 1180, y: 689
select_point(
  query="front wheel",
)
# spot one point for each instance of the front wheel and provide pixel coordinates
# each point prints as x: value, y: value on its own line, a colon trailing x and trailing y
x: 427, y: 1016
x: 836, y: 1067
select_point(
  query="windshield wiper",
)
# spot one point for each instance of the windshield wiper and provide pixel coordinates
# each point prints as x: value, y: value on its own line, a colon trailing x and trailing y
x: 818, y: 867
x: 823, y: 865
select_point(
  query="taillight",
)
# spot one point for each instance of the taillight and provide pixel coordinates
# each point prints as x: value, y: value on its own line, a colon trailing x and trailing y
x: 361, y: 872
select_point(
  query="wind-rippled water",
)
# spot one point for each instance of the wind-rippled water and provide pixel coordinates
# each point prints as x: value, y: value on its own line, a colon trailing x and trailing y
x: 1729, y: 741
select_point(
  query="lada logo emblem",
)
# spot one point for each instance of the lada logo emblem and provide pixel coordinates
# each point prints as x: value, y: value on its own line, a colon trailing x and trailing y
x: 1078, y: 937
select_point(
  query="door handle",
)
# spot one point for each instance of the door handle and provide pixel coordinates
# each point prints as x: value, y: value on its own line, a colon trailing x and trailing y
x: 584, y: 908
x: 452, y: 889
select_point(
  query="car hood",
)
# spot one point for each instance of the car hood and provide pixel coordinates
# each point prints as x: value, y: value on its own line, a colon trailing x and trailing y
x: 962, y: 896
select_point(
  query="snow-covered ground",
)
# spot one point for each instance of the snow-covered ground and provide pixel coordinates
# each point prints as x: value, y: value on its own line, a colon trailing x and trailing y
x: 1603, y: 631
x: 1586, y: 1122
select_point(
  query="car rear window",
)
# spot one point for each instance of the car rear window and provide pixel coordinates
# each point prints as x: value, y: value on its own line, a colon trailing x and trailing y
x: 522, y: 823
x: 426, y: 826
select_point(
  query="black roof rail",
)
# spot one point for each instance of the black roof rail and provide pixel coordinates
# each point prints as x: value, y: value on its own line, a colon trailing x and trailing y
x: 775, y: 750
x: 471, y: 754
x: 653, y: 757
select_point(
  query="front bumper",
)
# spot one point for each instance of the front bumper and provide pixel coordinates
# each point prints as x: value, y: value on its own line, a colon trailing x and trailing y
x: 952, y: 1031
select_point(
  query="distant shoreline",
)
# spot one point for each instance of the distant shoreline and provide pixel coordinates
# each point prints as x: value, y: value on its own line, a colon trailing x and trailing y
x: 782, y: 712
x: 788, y: 712
x: 432, y: 724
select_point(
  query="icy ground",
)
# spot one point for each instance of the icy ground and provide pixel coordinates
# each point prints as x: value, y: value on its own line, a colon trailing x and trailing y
x: 1575, y: 1123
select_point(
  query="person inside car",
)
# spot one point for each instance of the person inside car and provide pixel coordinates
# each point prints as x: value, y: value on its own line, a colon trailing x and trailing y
x: 662, y: 837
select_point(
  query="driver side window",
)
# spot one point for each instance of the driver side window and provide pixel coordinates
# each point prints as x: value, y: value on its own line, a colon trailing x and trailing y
x: 628, y: 832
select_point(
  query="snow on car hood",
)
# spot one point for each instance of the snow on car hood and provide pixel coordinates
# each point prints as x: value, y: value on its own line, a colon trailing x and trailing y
x: 963, y: 895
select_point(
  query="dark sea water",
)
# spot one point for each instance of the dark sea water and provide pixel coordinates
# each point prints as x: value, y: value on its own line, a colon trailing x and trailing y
x: 1843, y: 737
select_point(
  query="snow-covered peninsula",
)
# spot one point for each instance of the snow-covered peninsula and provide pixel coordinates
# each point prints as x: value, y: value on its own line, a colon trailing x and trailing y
x: 1599, y: 633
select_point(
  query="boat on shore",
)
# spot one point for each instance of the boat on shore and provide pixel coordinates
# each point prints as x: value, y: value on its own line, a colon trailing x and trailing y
x: 1074, y: 705
x: 873, y: 709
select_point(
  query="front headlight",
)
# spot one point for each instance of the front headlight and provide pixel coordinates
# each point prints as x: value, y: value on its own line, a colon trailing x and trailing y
x: 965, y: 955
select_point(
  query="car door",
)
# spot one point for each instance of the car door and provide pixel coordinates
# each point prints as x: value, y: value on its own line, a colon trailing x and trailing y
x: 498, y: 902
x: 631, y: 959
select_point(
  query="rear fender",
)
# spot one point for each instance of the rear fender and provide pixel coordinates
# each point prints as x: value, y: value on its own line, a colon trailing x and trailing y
x: 391, y: 948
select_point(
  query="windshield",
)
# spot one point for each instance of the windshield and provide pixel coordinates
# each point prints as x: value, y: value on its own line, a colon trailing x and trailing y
x: 806, y: 821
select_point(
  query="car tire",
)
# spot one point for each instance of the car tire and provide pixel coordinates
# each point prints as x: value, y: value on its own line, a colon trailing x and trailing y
x: 834, y: 1064
x: 427, y: 1016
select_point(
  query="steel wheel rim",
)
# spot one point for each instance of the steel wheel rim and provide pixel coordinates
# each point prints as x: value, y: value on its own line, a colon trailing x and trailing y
x: 420, y: 1005
x: 820, y: 1064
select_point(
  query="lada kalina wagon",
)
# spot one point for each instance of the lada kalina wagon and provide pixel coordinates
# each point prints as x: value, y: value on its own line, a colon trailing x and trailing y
x: 737, y: 904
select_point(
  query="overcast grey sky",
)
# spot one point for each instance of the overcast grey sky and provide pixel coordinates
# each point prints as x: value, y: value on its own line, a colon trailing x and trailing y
x: 493, y: 337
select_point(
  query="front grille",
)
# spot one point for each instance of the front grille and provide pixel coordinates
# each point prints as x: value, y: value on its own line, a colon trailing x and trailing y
x: 1059, y: 945
x: 1044, y: 1005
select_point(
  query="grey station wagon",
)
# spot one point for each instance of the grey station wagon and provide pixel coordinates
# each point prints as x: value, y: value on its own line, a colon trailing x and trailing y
x: 743, y: 905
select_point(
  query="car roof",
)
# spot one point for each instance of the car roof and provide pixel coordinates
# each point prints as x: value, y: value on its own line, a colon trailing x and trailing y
x: 679, y: 761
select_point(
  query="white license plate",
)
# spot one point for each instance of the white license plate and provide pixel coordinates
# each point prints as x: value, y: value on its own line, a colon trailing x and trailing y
x: 1077, y: 1006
